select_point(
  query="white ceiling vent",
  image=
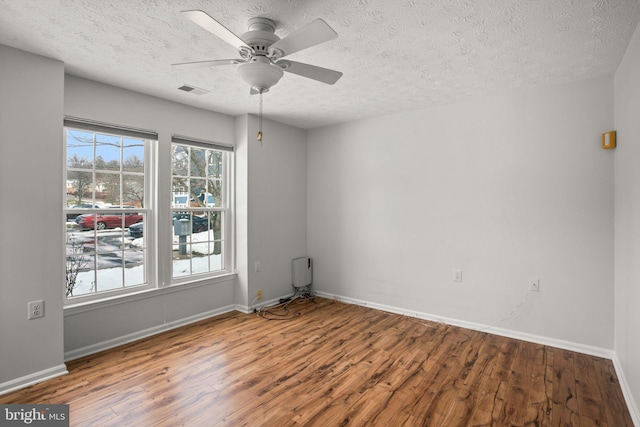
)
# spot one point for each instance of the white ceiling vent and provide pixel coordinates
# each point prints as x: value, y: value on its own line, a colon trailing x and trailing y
x: 192, y: 89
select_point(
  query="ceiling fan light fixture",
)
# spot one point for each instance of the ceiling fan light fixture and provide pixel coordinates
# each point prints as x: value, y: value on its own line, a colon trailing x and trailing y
x: 260, y: 74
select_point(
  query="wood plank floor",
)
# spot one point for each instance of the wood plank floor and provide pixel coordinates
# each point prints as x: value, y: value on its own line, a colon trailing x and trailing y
x: 334, y: 365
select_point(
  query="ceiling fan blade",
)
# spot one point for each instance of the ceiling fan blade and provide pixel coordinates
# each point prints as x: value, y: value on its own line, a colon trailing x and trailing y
x: 313, y: 33
x: 213, y: 63
x: 320, y: 74
x: 208, y: 23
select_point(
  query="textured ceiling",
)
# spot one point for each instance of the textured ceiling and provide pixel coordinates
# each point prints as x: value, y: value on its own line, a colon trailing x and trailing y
x: 395, y: 55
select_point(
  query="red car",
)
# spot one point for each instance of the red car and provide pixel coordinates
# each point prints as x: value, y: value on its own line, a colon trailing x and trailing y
x: 102, y: 221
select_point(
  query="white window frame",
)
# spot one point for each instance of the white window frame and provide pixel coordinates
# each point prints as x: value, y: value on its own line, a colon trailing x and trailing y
x: 150, y: 189
x: 159, y: 265
x: 226, y: 208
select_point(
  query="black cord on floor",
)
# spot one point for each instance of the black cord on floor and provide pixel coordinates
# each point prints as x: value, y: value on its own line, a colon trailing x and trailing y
x: 281, y: 311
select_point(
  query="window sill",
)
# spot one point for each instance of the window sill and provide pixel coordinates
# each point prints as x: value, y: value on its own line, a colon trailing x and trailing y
x: 81, y: 307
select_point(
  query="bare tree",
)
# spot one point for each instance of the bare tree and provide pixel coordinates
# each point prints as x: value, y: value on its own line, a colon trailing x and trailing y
x: 133, y: 181
x: 81, y: 179
x: 76, y: 262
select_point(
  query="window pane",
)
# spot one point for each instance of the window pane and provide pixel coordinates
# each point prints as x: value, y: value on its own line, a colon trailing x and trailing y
x: 79, y: 264
x: 216, y: 226
x: 182, y: 268
x: 137, y: 233
x: 180, y: 190
x: 79, y: 186
x: 79, y: 149
x: 214, y: 187
x: 201, y: 249
x: 134, y: 276
x: 109, y: 272
x: 181, y: 229
x: 197, y: 192
x: 134, y: 271
x: 198, y: 162
x: 108, y: 151
x: 179, y: 160
x: 214, y: 167
x: 200, y: 262
x: 216, y: 260
x: 133, y: 190
x: 107, y: 188
x: 133, y: 155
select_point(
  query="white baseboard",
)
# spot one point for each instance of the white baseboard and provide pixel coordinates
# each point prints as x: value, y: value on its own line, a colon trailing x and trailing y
x: 626, y: 391
x: 36, y: 377
x: 246, y: 309
x: 566, y: 345
x: 125, y: 339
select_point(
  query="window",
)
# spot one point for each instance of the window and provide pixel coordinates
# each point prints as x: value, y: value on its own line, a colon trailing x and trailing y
x: 200, y: 208
x: 108, y: 190
x: 114, y: 242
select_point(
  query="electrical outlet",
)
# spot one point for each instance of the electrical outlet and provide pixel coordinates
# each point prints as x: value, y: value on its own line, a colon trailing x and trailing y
x: 457, y: 275
x: 36, y: 309
x: 259, y: 294
x: 534, y: 285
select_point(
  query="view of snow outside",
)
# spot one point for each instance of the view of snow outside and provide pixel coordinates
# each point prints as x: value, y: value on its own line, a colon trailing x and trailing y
x: 109, y: 268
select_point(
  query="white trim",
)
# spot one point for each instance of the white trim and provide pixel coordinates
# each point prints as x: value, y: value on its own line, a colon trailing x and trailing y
x: 246, y: 309
x: 626, y: 391
x: 566, y: 345
x: 145, y: 333
x: 36, y: 377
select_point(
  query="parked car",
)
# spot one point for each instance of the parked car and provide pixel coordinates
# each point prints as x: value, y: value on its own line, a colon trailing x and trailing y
x: 198, y: 225
x: 136, y: 230
x: 71, y: 216
x: 101, y: 221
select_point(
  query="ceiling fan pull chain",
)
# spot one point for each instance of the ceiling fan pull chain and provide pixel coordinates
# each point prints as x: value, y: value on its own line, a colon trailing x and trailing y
x: 260, y: 123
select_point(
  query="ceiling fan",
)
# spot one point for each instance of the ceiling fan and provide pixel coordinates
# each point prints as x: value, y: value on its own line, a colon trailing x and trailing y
x: 262, y: 52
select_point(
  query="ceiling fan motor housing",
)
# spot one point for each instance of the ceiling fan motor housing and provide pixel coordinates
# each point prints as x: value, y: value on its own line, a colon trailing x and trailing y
x: 259, y: 72
x: 260, y: 35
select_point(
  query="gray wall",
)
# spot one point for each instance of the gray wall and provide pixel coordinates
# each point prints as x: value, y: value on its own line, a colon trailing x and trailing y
x: 272, y: 213
x: 627, y: 207
x: 31, y: 188
x: 507, y: 188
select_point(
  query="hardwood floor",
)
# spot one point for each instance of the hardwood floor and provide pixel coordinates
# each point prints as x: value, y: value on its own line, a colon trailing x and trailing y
x: 334, y: 365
